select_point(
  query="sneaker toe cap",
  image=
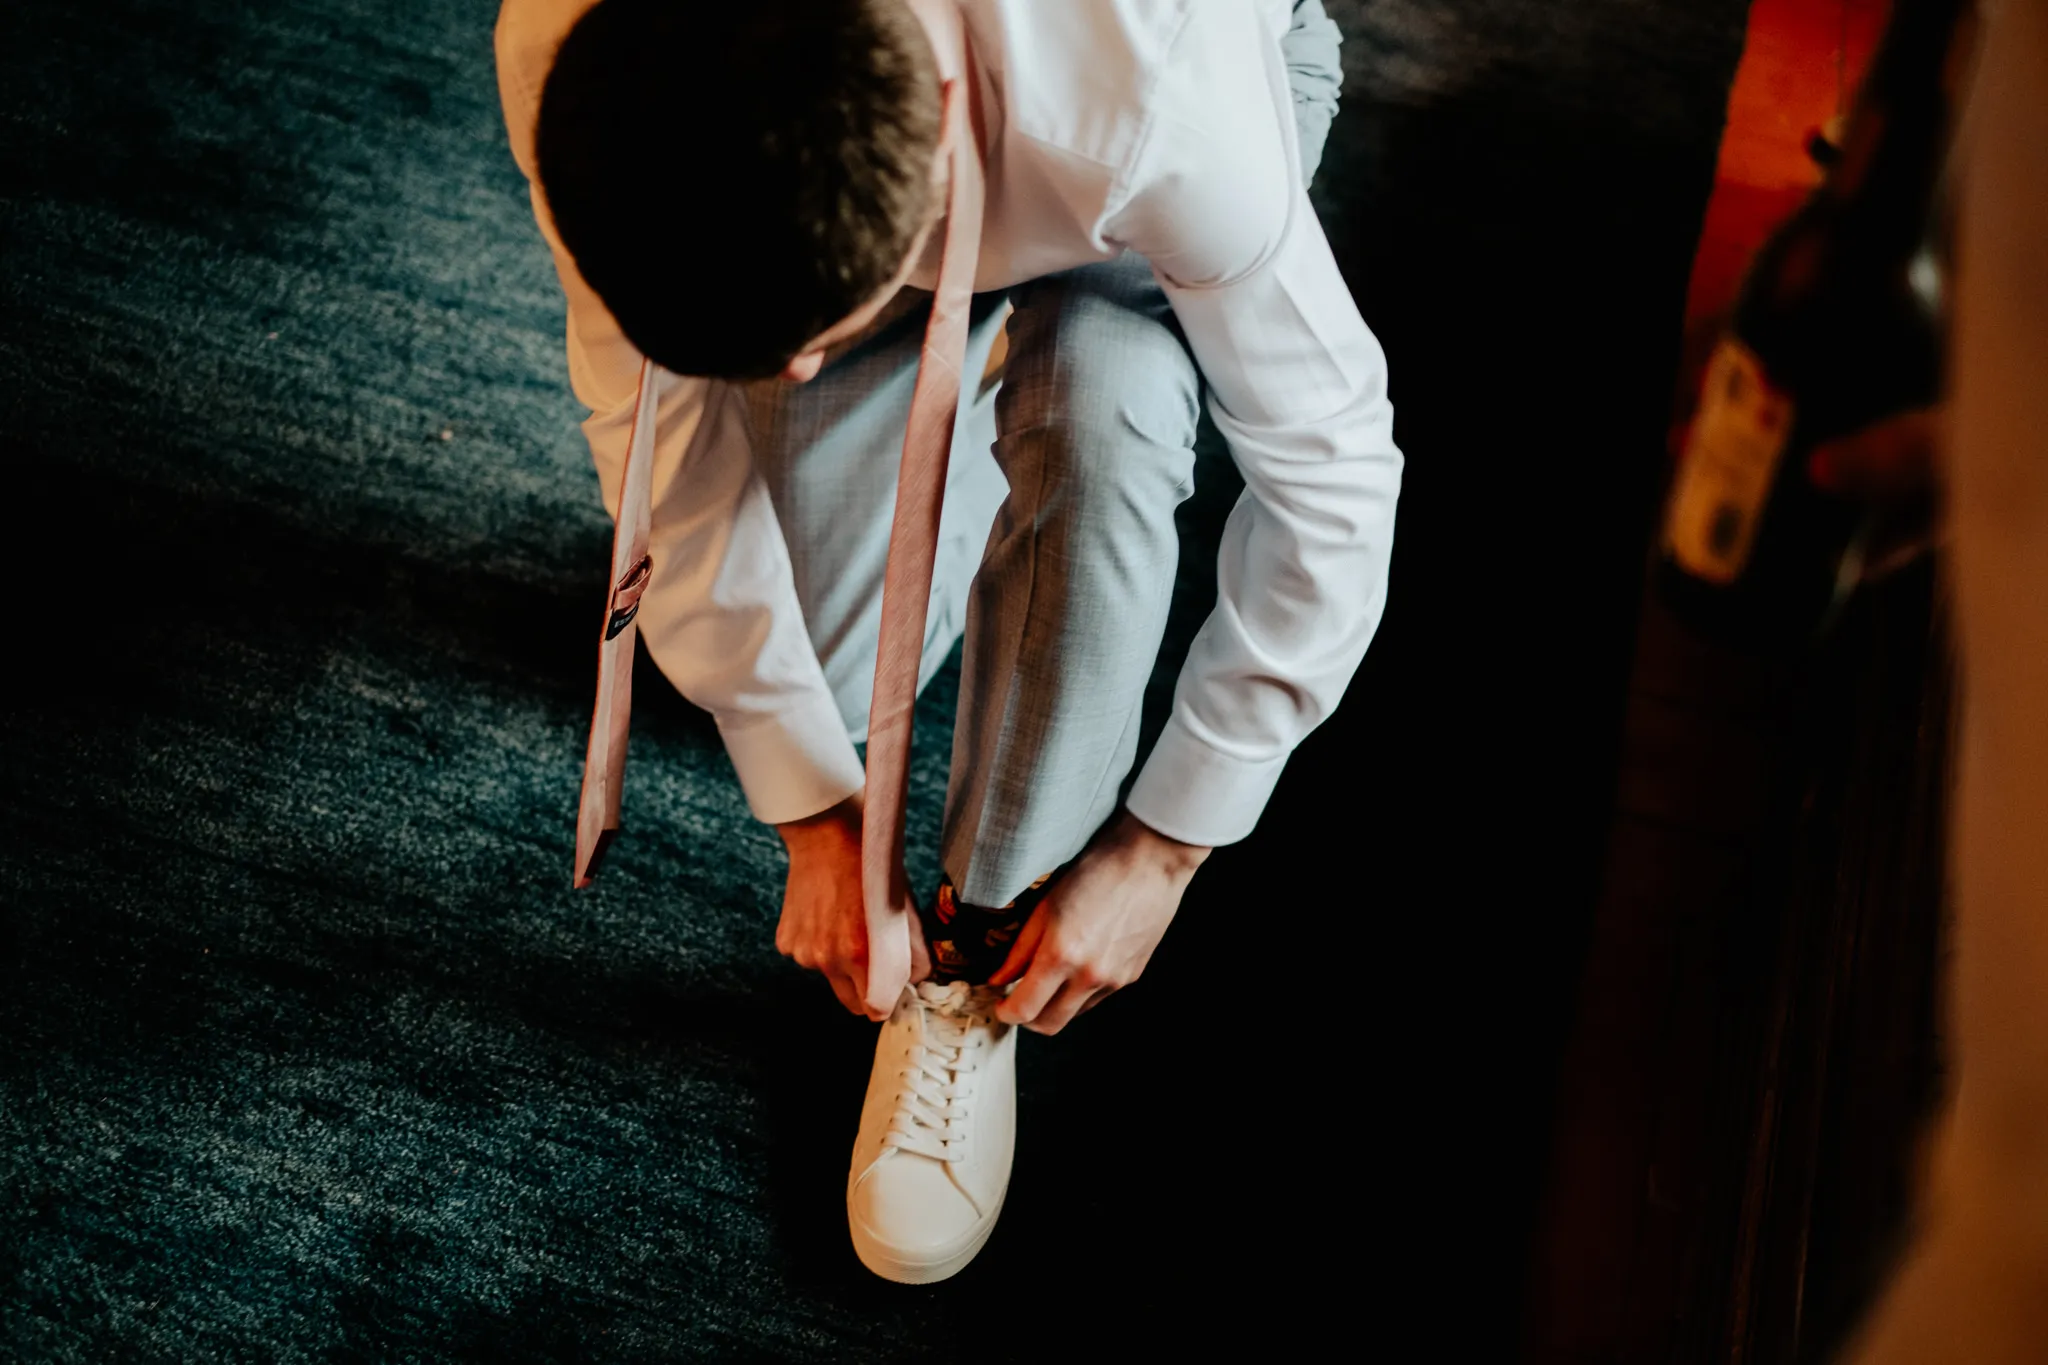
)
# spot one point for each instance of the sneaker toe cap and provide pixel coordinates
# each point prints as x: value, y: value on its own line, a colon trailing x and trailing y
x: 910, y: 1204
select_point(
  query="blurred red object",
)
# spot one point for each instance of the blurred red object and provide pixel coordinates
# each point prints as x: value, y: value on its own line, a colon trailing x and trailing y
x: 1800, y: 66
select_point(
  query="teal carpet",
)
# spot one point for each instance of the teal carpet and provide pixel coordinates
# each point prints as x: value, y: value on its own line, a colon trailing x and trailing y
x: 307, y: 1050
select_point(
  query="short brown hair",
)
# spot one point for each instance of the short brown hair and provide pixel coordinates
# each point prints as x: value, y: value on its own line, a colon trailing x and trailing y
x: 733, y: 178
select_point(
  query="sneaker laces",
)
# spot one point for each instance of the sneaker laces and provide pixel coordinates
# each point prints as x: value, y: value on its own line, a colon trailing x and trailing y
x: 939, y: 1076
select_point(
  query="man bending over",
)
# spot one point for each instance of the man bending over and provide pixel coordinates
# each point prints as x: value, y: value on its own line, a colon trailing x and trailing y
x: 748, y: 196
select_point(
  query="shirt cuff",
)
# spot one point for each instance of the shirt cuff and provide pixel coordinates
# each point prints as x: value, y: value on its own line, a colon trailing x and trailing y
x: 794, y: 762
x: 1193, y: 792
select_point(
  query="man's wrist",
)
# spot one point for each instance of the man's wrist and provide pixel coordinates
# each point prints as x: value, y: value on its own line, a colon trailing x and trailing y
x: 835, y: 826
x: 1168, y: 852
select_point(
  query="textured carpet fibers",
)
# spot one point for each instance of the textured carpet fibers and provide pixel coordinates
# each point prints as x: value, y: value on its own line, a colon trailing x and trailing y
x: 307, y: 1050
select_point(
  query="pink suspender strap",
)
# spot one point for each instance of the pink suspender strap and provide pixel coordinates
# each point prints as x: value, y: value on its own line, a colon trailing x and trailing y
x: 913, y: 545
x: 604, y: 766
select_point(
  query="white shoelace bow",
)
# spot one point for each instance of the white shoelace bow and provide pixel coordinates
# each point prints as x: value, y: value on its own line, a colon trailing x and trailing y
x: 939, y: 1076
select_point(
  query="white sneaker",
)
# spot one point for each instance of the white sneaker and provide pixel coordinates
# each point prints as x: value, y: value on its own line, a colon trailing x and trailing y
x: 932, y: 1161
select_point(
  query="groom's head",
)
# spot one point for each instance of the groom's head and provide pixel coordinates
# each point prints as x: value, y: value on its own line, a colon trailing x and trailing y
x: 739, y: 181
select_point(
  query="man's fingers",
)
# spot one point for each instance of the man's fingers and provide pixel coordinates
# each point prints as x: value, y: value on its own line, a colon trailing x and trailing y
x: 1033, y: 993
x: 1060, y: 1011
x: 1026, y: 946
x: 1891, y: 459
x: 848, y: 992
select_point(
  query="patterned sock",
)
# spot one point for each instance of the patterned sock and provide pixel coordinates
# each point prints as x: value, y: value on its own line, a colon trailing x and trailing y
x: 969, y: 942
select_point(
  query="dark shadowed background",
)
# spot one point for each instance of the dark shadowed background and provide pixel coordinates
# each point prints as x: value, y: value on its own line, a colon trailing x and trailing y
x: 307, y: 1050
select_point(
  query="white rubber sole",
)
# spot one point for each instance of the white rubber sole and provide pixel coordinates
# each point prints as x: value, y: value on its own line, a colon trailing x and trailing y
x: 891, y: 1264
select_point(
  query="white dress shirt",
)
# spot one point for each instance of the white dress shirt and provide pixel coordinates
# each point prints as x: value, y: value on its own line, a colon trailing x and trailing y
x: 1163, y: 127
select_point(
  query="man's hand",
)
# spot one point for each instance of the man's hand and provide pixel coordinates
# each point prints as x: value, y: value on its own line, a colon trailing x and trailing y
x: 824, y: 925
x: 1097, y: 926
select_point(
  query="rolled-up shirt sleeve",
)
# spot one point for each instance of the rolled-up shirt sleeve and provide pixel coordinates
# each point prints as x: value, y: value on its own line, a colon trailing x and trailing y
x: 720, y: 615
x: 1297, y: 384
